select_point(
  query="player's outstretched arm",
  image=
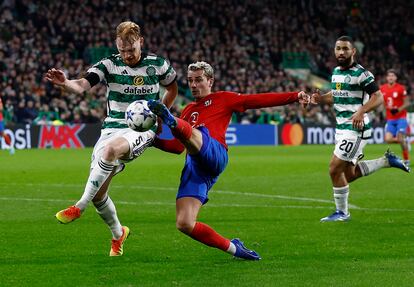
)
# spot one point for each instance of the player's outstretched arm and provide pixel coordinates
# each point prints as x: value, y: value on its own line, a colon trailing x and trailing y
x: 264, y: 100
x: 316, y: 98
x: 304, y: 99
x: 58, y: 77
x: 170, y: 95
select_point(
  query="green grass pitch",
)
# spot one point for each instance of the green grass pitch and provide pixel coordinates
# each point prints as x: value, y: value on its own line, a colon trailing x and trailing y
x: 270, y: 197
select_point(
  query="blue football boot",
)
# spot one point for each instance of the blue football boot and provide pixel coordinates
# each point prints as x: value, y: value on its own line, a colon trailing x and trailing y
x: 243, y: 252
x: 162, y: 111
x: 337, y: 216
x: 395, y: 161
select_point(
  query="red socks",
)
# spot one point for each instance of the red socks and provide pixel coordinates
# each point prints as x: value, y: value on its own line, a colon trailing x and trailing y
x: 7, y: 139
x: 406, y: 155
x: 205, y: 234
x: 183, y: 130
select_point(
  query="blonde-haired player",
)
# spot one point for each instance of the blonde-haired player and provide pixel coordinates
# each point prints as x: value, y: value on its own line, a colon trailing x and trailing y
x: 130, y: 75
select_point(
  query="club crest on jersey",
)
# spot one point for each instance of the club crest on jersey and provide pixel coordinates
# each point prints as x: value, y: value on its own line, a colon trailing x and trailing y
x: 338, y: 86
x: 138, y: 81
x: 150, y: 71
x: 347, y: 79
x: 194, y: 118
x: 395, y: 94
x: 207, y: 103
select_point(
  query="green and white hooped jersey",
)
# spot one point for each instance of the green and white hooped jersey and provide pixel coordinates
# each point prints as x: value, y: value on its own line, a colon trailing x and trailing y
x: 127, y: 84
x: 349, y: 91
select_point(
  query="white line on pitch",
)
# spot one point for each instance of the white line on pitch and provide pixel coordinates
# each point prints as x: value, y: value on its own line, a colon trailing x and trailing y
x: 251, y: 194
x: 209, y: 205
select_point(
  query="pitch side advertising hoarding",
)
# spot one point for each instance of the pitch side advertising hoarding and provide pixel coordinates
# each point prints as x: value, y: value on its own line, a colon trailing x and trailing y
x: 86, y: 135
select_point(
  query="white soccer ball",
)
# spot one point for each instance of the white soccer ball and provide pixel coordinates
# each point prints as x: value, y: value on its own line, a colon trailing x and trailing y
x: 139, y: 117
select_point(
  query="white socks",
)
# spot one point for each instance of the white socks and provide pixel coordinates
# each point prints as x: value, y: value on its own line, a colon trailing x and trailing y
x: 369, y: 166
x: 341, y: 198
x: 97, y: 177
x: 106, y: 209
x: 232, y: 248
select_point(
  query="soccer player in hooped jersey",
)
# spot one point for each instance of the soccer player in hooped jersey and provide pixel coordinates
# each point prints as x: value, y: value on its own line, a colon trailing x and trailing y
x: 201, y: 131
x: 354, y: 93
x: 396, y: 102
x: 130, y: 75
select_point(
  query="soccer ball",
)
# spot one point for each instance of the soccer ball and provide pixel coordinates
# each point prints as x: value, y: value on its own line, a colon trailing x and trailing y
x: 139, y: 117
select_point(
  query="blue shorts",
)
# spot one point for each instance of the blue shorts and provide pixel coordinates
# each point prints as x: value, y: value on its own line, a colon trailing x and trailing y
x: 397, y: 126
x: 1, y: 126
x: 202, y: 170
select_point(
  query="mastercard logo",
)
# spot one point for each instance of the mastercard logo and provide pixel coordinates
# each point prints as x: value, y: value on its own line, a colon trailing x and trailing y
x: 292, y: 134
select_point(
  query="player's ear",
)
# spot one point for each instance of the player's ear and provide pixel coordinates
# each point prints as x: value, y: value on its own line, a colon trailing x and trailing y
x: 211, y: 83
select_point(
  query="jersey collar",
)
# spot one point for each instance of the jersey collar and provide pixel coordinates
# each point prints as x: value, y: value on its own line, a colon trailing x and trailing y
x: 143, y: 56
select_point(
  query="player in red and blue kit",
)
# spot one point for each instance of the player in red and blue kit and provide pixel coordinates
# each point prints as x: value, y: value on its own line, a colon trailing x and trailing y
x: 6, y: 137
x: 201, y: 131
x: 396, y: 102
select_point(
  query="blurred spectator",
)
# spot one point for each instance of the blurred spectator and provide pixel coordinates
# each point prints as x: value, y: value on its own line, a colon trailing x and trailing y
x: 46, y: 116
x: 30, y: 112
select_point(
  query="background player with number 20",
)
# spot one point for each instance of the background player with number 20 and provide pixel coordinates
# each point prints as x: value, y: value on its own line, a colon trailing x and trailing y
x: 354, y: 94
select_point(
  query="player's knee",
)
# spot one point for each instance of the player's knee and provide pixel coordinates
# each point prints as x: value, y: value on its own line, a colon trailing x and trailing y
x: 400, y: 138
x: 350, y: 177
x: 109, y: 153
x: 334, y: 171
x: 185, y: 226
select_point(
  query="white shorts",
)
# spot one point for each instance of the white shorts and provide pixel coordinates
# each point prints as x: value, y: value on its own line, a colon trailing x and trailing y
x: 138, y: 143
x: 349, y: 146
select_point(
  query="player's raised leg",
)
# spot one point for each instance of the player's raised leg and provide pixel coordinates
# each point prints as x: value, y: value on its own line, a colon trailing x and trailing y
x: 162, y: 111
x: 389, y: 159
x: 395, y: 161
x: 182, y: 130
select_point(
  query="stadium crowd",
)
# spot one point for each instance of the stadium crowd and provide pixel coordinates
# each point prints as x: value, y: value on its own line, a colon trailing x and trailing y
x: 244, y: 41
